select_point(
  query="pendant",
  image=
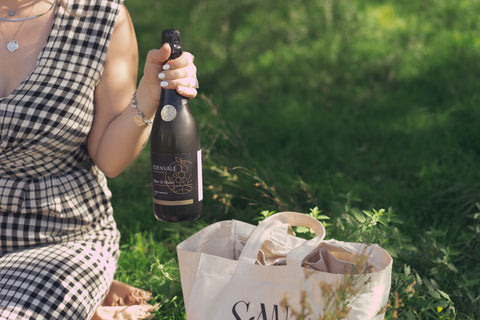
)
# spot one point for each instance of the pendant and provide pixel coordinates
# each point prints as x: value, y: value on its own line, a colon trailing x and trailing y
x: 11, y: 13
x: 12, y: 45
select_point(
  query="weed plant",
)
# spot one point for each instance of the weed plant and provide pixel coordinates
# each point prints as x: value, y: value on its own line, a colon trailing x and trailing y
x: 336, y: 108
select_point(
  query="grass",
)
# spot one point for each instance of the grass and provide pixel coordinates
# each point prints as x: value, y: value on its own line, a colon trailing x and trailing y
x: 346, y: 106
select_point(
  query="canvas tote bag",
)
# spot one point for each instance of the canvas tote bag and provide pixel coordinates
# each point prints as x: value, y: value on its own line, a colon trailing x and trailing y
x: 234, y: 270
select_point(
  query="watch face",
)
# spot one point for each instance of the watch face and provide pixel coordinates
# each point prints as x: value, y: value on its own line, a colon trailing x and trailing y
x: 168, y: 113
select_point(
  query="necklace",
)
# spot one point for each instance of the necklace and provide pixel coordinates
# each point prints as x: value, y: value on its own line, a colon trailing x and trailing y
x: 12, y: 13
x: 13, y: 44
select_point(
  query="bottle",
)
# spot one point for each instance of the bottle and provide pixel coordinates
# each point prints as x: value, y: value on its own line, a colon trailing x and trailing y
x: 175, y: 152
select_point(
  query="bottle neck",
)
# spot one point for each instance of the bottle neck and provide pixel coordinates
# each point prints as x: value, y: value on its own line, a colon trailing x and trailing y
x: 171, y: 96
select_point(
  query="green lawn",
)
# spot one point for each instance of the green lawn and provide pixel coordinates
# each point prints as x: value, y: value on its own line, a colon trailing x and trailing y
x: 343, y: 105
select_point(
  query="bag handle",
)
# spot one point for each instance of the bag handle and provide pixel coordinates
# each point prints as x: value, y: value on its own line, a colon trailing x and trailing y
x: 265, y: 230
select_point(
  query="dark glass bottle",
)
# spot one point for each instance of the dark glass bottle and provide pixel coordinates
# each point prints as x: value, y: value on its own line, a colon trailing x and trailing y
x: 175, y: 153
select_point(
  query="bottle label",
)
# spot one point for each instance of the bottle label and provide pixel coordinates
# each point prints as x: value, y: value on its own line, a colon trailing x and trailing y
x: 177, y: 178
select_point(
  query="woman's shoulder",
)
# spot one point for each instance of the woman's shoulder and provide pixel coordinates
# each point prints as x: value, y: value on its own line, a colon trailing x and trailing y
x: 123, y: 15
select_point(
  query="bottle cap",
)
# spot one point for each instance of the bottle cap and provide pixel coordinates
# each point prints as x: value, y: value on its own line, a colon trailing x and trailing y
x: 174, y: 38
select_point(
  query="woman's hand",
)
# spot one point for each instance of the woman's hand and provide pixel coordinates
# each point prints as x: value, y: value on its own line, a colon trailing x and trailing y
x: 179, y: 74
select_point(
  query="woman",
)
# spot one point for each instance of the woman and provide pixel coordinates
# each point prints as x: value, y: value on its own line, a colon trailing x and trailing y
x: 68, y: 73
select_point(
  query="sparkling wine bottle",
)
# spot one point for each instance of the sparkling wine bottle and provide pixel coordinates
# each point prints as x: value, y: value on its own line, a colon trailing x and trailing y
x: 175, y: 152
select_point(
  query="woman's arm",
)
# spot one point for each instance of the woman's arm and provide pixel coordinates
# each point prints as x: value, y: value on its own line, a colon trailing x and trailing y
x: 115, y: 140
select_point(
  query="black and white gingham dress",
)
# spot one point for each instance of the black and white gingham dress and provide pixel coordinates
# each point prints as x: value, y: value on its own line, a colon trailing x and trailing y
x: 58, y: 239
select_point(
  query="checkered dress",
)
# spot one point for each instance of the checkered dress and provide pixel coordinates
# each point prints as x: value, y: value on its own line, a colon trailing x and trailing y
x: 58, y: 239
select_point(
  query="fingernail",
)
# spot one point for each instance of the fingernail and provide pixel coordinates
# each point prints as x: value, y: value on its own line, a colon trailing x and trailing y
x: 166, y: 66
x: 164, y: 83
x: 161, y: 75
